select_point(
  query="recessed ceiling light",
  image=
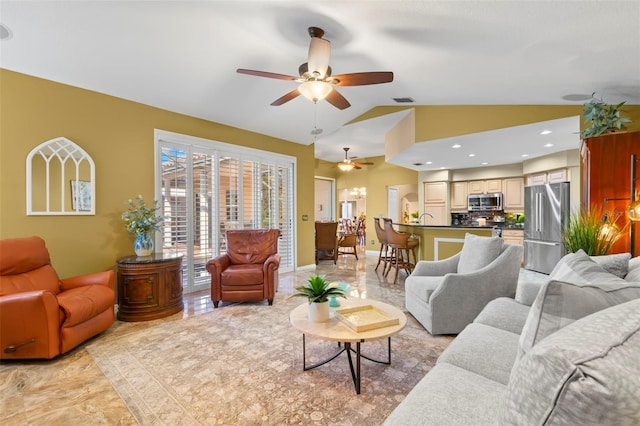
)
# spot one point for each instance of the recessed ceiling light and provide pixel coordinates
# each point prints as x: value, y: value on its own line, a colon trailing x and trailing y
x: 484, y: 163
x: 429, y: 162
x: 456, y: 146
x: 548, y: 145
x: 524, y: 155
x: 472, y: 155
x: 442, y: 168
x: 546, y: 132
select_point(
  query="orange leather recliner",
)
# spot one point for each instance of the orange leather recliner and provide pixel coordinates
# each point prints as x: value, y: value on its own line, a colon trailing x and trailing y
x: 42, y: 316
x: 249, y: 270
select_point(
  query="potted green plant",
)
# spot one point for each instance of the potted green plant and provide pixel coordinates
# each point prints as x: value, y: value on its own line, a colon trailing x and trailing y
x: 317, y: 291
x: 604, y: 118
x: 593, y: 231
x: 415, y: 216
x: 142, y: 220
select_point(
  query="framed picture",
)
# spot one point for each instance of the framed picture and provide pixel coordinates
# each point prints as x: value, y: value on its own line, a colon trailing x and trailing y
x: 81, y: 195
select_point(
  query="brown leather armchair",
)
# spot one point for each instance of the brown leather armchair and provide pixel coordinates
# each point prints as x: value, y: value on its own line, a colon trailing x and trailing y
x: 42, y: 316
x: 249, y: 270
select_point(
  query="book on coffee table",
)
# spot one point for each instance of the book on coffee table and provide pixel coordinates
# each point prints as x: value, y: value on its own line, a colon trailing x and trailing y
x: 366, y: 317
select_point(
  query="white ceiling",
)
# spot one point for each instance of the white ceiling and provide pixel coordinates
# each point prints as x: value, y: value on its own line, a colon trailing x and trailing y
x: 182, y: 56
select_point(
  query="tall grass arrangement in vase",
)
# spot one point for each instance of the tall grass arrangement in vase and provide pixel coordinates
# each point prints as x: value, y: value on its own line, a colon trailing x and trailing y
x: 594, y: 231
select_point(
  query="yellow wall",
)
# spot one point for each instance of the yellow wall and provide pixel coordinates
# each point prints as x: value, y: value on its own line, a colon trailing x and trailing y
x: 118, y: 134
x: 445, y: 121
x: 376, y: 178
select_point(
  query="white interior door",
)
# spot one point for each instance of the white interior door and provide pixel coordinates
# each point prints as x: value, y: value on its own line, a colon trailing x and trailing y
x: 393, y: 204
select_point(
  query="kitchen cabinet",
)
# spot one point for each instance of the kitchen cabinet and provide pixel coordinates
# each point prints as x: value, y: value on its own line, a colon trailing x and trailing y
x: 459, y: 196
x: 514, y: 236
x: 555, y: 176
x: 513, y: 195
x: 435, y: 192
x: 552, y: 176
x: 439, y: 212
x: 476, y: 187
x: 537, y: 179
x: 494, y: 185
x: 482, y: 186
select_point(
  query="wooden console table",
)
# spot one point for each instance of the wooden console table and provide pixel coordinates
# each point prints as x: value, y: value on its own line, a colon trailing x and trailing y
x: 149, y: 287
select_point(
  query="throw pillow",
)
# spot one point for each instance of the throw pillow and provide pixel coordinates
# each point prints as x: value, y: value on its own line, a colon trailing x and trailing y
x: 586, y: 374
x: 617, y: 264
x: 634, y: 270
x: 477, y: 252
x: 576, y: 288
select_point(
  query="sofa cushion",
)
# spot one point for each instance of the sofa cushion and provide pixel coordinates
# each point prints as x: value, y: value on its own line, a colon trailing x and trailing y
x: 504, y: 313
x: 585, y: 374
x: 559, y: 304
x: 450, y: 395
x: 616, y: 264
x: 484, y: 350
x: 634, y: 270
x: 244, y: 274
x: 477, y: 252
x: 42, y: 278
x: 83, y: 303
x: 578, y: 287
x: 579, y: 268
x: 422, y: 287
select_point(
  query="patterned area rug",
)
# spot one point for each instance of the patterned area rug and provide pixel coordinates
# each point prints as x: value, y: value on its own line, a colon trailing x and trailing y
x: 242, y: 364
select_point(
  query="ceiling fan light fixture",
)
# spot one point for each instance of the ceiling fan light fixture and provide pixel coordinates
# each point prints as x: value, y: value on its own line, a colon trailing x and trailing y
x: 346, y: 167
x: 319, y: 55
x: 315, y: 90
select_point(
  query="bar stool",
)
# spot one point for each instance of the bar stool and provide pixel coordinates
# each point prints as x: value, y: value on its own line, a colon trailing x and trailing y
x: 402, y: 246
x: 383, y: 256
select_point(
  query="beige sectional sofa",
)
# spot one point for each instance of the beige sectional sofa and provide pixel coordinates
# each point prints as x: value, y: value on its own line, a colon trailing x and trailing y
x: 564, y: 352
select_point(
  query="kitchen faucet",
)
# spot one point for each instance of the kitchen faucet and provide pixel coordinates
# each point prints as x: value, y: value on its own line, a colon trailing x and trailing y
x: 425, y: 214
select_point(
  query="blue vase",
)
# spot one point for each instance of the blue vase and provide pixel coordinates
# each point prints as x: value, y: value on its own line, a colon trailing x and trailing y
x: 143, y: 244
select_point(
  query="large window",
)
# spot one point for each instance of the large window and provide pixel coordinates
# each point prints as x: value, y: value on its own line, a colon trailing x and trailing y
x: 207, y: 187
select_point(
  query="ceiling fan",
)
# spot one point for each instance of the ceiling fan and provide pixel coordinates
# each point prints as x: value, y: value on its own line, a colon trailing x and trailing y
x: 315, y: 76
x: 348, y: 164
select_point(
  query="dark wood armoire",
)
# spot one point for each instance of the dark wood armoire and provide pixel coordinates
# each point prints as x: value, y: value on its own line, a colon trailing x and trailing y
x: 606, y: 179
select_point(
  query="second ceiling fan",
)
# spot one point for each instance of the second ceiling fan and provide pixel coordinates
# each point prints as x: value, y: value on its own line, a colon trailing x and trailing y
x: 315, y: 75
x: 348, y: 164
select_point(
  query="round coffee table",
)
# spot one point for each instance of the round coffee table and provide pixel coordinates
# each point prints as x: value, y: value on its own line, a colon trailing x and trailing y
x: 337, y: 331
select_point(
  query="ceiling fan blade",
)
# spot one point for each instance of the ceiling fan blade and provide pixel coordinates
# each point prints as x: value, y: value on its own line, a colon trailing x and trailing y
x: 357, y: 167
x: 319, y: 55
x: 337, y: 100
x: 363, y: 78
x: 266, y: 74
x: 286, y: 98
x: 363, y: 163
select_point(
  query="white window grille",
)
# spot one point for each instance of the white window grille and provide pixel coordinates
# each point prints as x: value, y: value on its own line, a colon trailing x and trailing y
x: 60, y: 179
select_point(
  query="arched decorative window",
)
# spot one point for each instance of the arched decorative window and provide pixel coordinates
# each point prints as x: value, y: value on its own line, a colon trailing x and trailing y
x: 60, y: 179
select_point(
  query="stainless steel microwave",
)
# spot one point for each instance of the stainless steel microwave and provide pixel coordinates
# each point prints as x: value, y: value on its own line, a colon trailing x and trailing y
x: 485, y: 202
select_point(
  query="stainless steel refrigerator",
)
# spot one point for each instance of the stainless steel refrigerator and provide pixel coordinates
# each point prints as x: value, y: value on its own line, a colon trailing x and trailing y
x: 546, y: 211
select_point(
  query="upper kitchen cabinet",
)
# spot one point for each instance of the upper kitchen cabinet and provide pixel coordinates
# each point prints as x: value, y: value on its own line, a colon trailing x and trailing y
x: 482, y: 186
x: 606, y: 178
x: 513, y: 194
x: 552, y: 176
x: 435, y: 192
x: 459, y: 196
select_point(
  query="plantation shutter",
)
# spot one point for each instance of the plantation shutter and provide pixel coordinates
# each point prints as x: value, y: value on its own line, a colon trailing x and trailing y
x: 206, y: 190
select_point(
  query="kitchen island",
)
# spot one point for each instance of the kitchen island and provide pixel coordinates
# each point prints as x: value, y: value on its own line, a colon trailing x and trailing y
x: 438, y: 242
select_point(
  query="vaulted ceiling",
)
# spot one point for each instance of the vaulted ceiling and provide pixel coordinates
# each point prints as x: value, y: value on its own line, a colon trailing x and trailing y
x: 182, y: 56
